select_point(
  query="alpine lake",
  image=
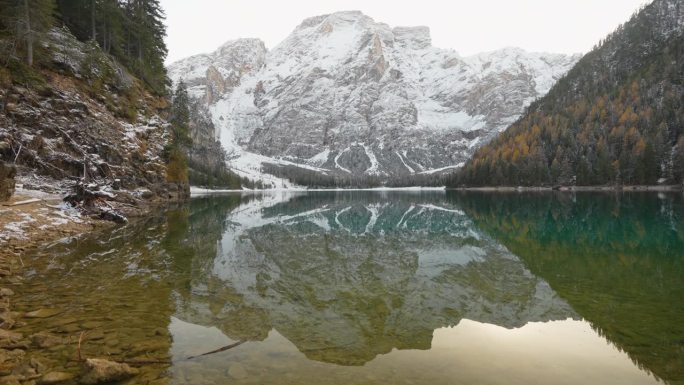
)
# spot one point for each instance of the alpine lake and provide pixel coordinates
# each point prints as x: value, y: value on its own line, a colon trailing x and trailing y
x: 432, y: 287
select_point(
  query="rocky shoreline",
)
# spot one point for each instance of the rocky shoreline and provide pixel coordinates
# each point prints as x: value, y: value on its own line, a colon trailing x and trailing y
x: 28, y: 221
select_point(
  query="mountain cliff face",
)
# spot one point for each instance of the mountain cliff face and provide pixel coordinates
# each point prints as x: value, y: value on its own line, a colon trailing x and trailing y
x: 346, y: 96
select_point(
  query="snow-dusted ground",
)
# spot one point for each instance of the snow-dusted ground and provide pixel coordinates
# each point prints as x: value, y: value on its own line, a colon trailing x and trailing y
x: 20, y: 191
x: 37, y: 214
x: 250, y: 165
x: 200, y: 191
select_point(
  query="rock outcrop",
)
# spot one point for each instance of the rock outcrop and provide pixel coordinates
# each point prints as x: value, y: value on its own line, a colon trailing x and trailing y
x: 205, y: 155
x: 100, y: 371
x: 7, y: 174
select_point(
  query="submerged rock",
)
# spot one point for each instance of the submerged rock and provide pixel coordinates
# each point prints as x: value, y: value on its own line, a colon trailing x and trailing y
x: 10, y: 380
x: 45, y: 340
x: 42, y: 313
x: 6, y: 335
x: 99, y: 371
x: 7, y: 319
x: 10, y: 359
x: 11, y: 355
x: 55, y: 378
x: 237, y: 371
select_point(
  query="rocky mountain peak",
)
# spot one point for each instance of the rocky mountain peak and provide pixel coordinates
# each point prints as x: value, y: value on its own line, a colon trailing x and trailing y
x: 344, y: 96
x: 210, y: 76
x: 334, y: 19
x: 413, y: 37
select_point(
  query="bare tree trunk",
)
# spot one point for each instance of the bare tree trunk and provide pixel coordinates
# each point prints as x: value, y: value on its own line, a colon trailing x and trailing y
x: 128, y: 40
x: 92, y: 21
x: 105, y: 37
x: 29, y: 35
x: 141, y: 15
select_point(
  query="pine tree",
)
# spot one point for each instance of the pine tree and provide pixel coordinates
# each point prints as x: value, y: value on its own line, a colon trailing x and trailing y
x: 132, y: 31
x: 177, y: 162
x: 24, y: 22
x: 112, y: 25
x: 145, y: 45
x: 180, y: 115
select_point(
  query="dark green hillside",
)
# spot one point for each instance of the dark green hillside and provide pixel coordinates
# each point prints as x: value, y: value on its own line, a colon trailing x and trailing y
x: 616, y: 118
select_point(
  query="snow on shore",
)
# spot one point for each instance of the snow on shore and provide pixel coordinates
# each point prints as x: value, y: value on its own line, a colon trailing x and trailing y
x: 200, y: 191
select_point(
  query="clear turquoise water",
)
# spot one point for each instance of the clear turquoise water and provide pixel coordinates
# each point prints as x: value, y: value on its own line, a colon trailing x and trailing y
x: 378, y: 288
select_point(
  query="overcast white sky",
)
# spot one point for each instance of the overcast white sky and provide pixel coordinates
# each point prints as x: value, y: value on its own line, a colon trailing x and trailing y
x: 468, y: 26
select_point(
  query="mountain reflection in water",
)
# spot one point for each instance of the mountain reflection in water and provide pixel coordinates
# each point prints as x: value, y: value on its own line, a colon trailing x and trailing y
x: 350, y: 277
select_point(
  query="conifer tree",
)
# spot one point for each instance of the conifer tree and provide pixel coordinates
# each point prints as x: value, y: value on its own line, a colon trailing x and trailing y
x: 679, y: 160
x: 145, y: 45
x: 180, y: 115
x: 132, y: 31
x: 177, y: 162
x: 24, y: 22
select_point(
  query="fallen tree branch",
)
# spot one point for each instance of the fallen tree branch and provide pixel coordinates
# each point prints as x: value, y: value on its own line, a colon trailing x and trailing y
x: 78, y: 350
x: 18, y: 152
x: 74, y: 144
x: 21, y: 203
x: 218, y: 350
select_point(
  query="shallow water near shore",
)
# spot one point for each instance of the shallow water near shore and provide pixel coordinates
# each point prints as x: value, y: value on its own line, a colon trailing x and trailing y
x: 375, y: 288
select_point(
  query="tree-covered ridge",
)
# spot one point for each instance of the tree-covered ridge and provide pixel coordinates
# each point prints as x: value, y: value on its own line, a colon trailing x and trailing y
x: 132, y: 31
x: 616, y: 118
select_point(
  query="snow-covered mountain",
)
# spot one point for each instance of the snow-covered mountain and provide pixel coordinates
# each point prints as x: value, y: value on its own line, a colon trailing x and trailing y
x: 347, y: 96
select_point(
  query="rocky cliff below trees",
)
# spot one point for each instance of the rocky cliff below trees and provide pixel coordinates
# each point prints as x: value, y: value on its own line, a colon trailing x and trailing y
x: 83, y: 118
x: 206, y: 156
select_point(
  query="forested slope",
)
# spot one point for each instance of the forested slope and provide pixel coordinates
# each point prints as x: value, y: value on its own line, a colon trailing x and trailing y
x: 616, y: 118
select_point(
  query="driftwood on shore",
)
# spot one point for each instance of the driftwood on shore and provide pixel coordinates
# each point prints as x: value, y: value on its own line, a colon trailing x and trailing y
x: 24, y: 202
x: 91, y: 200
